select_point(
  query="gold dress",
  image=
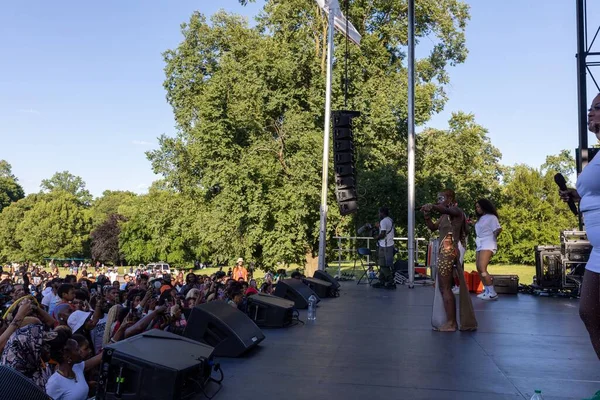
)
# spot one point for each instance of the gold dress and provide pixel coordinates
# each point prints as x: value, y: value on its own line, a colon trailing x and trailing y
x: 452, y: 237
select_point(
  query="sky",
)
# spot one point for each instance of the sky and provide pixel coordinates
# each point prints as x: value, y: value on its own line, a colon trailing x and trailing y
x: 81, y: 83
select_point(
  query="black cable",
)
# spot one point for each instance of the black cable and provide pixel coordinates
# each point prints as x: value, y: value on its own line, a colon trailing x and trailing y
x: 296, y: 318
x: 297, y: 321
x: 217, y: 367
x: 204, y: 391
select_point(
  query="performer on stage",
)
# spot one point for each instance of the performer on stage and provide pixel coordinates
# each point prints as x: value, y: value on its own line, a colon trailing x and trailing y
x: 487, y: 229
x: 588, y: 196
x: 453, y: 229
x: 385, y: 249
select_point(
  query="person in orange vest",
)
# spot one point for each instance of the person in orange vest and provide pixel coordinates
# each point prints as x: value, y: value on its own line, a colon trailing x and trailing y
x: 239, y: 271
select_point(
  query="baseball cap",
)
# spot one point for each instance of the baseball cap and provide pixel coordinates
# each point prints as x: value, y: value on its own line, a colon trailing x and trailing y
x: 77, y: 319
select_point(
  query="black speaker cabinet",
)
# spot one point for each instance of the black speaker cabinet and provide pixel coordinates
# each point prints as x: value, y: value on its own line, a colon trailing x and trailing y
x: 506, y: 284
x: 548, y: 266
x: 296, y: 291
x: 227, y: 329
x: 16, y: 386
x: 154, y: 365
x: 320, y: 287
x: 324, y: 276
x: 270, y: 311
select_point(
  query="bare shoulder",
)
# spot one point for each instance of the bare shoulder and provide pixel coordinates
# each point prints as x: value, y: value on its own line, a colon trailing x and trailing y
x: 456, y: 212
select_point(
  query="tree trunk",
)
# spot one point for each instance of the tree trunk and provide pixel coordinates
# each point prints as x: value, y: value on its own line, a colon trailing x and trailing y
x: 311, y: 265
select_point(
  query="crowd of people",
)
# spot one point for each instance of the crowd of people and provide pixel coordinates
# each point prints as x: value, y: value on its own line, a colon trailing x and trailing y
x: 53, y: 329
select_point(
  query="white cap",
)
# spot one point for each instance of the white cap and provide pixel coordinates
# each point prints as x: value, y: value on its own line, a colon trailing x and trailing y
x: 77, y: 319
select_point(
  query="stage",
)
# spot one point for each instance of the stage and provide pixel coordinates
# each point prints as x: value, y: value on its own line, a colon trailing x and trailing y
x: 378, y: 344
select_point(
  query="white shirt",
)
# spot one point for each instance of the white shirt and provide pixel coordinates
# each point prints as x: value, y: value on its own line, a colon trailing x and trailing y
x: 484, y: 228
x: 97, y: 334
x: 588, y: 186
x: 51, y: 301
x: 113, y: 276
x: 60, y: 388
x: 386, y: 225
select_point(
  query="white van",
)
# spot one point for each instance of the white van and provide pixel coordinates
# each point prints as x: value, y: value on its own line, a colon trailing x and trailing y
x: 160, y: 267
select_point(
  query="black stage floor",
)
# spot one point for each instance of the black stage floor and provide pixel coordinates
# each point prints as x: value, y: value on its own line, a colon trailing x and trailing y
x: 378, y: 344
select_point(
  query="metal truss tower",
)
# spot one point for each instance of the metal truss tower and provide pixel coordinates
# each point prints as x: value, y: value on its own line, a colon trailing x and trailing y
x: 588, y: 59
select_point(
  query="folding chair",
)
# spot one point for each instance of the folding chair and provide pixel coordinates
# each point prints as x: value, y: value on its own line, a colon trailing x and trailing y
x: 364, y: 255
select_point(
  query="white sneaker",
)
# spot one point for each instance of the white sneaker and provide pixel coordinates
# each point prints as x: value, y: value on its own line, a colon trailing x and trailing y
x: 456, y: 289
x: 488, y: 297
x: 480, y: 295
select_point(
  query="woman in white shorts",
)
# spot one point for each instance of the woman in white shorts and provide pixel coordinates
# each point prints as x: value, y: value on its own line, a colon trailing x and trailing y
x: 588, y: 196
x: 487, y: 230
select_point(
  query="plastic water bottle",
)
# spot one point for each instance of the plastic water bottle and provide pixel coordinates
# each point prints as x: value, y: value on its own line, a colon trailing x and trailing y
x: 537, y: 395
x: 312, y: 308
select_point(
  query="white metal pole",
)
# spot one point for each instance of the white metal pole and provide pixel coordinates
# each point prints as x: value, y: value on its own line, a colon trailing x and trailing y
x: 325, y: 175
x: 411, y: 143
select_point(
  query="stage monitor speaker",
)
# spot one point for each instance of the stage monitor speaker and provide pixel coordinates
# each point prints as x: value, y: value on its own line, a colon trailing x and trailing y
x: 296, y: 291
x: 154, y: 365
x: 323, y: 275
x: 270, y: 311
x: 16, y: 386
x: 320, y: 287
x: 227, y: 329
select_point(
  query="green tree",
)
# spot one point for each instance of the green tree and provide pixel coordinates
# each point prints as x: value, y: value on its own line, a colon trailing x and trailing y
x: 563, y: 163
x: 249, y: 106
x: 159, y: 226
x: 461, y: 158
x: 69, y: 183
x: 56, y: 226
x: 10, y: 190
x: 109, y: 203
x: 532, y: 214
x: 10, y: 218
x: 6, y: 170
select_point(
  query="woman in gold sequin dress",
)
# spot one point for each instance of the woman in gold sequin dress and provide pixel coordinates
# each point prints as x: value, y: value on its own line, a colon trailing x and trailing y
x: 452, y: 228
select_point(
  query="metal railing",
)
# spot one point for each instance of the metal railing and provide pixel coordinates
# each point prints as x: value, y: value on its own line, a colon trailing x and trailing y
x: 349, y: 244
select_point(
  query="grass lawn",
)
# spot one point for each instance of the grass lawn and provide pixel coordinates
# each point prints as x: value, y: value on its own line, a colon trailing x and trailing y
x: 525, y: 272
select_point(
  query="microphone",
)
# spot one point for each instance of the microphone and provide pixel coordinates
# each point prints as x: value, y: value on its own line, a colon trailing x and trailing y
x: 562, y: 185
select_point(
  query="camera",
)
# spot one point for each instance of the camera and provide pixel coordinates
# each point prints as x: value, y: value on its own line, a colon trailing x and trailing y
x: 368, y: 229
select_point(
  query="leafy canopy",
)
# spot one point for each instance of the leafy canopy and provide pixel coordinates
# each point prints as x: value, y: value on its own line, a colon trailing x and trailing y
x: 10, y: 190
x: 55, y: 226
x: 249, y: 103
x: 69, y: 183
